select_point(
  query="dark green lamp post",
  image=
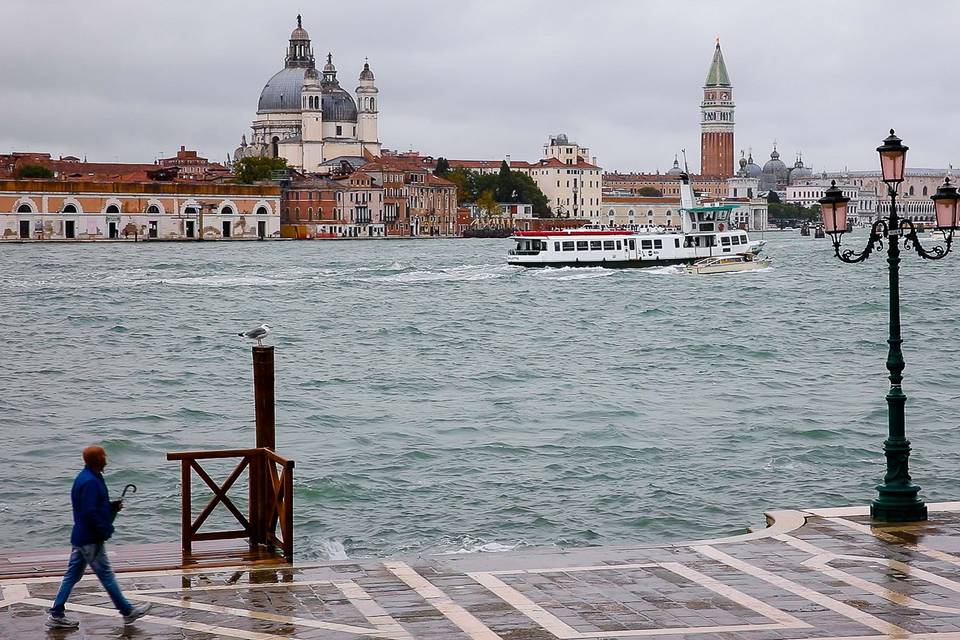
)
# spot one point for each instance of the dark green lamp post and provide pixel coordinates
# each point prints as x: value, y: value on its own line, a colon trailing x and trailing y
x: 897, y: 499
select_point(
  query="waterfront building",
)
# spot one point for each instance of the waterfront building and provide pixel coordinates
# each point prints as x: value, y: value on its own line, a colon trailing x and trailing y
x: 191, y: 165
x: 668, y: 184
x: 625, y: 209
x: 868, y: 193
x: 567, y: 176
x: 84, y: 208
x: 716, y: 120
x: 306, y: 117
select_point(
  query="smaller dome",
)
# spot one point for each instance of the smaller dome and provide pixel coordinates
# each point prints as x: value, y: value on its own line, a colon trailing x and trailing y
x: 299, y: 33
x: 675, y: 170
x: 366, y: 74
x: 329, y: 68
x: 753, y: 169
x: 800, y: 172
x: 775, y: 165
x: 338, y: 106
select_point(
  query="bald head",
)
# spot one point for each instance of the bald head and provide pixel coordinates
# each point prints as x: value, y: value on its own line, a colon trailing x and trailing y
x: 95, y: 457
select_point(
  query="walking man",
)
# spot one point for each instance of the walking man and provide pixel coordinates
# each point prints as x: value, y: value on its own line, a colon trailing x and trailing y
x: 93, y: 516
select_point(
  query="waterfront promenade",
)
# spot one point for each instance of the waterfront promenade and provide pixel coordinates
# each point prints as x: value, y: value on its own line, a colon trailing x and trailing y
x: 823, y: 573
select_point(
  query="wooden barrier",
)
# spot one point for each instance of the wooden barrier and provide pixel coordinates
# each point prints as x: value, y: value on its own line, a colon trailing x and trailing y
x: 271, y: 482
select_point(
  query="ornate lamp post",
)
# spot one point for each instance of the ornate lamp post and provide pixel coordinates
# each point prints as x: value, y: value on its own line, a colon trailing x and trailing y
x: 897, y: 499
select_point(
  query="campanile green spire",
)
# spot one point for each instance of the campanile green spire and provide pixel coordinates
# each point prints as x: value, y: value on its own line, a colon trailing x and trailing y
x: 717, y: 76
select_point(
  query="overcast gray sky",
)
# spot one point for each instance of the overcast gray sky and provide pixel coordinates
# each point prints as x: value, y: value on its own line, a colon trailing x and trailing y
x: 128, y: 80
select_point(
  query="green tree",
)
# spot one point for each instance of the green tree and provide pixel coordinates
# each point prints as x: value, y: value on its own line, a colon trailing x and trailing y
x: 442, y: 168
x: 506, y: 191
x: 487, y: 203
x: 463, y: 180
x: 786, y: 213
x: 529, y: 192
x: 650, y: 192
x: 33, y: 171
x: 250, y: 170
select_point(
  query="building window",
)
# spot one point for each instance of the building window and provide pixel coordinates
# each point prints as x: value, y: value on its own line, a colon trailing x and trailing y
x: 339, y: 130
x: 153, y: 209
x: 911, y: 189
x: 24, y: 208
x: 924, y: 191
x: 113, y: 209
x: 262, y: 211
x: 70, y: 208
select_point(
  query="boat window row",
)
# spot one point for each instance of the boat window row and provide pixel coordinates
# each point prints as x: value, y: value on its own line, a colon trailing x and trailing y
x: 651, y: 244
x: 726, y: 241
x: 590, y: 245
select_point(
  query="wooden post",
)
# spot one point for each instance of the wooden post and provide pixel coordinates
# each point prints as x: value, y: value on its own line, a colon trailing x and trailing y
x: 186, y: 508
x: 265, y: 438
x: 263, y: 397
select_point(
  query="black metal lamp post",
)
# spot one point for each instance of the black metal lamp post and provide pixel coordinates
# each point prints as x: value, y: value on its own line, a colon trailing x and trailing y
x: 897, y: 499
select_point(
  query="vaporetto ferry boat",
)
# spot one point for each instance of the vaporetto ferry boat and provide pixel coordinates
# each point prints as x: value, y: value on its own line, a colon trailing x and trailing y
x: 705, y: 232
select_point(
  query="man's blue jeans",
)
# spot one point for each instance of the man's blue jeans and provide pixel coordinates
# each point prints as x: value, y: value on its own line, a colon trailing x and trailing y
x: 94, y: 555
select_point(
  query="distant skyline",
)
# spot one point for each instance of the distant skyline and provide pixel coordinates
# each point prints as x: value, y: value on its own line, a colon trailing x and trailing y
x: 115, y: 80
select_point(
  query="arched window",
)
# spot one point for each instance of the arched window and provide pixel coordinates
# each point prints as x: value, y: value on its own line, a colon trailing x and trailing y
x: 911, y: 189
x: 226, y: 211
x: 24, y: 208
x: 373, y: 104
x: 153, y: 209
x: 649, y: 212
x: 113, y: 209
x: 262, y: 211
x: 630, y: 213
x: 275, y: 143
x: 924, y: 191
x: 297, y: 212
x: 69, y: 208
x: 310, y: 213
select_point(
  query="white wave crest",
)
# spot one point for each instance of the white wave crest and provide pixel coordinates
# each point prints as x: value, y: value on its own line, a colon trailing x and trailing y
x: 332, y: 549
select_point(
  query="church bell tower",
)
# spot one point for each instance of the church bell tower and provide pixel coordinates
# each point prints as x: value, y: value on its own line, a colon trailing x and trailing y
x: 716, y: 120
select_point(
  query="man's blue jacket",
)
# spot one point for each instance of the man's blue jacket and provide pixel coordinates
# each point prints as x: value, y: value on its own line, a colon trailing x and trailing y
x: 92, y: 516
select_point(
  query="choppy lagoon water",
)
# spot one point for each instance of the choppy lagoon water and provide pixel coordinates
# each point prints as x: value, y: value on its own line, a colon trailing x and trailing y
x: 437, y: 400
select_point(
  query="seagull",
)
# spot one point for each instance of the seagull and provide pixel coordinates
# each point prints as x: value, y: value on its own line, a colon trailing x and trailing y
x: 257, y: 334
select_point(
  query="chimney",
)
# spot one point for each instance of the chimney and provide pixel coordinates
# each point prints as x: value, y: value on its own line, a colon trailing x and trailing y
x: 593, y: 160
x: 508, y: 159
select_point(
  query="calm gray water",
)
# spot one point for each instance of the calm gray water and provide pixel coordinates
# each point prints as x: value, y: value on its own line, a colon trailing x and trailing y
x: 436, y: 400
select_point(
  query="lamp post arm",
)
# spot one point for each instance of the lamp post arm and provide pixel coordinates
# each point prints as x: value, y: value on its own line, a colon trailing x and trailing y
x: 911, y: 241
x: 878, y: 231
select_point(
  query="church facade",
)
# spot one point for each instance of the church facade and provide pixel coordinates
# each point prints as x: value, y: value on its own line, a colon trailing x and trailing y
x: 306, y: 117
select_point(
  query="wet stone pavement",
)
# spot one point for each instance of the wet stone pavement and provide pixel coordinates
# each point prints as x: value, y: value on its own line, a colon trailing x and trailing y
x: 812, y: 574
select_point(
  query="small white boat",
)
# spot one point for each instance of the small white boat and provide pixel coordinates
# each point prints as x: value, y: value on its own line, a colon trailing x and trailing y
x: 728, y: 264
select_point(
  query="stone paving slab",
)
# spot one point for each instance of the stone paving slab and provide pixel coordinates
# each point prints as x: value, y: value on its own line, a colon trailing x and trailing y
x: 812, y: 574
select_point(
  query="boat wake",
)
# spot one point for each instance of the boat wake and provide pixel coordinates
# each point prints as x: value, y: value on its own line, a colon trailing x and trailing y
x: 572, y: 273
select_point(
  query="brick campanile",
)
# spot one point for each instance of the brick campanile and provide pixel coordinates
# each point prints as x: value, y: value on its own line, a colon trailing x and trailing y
x: 716, y: 120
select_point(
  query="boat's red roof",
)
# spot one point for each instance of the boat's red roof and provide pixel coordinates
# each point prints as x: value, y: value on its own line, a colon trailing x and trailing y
x: 573, y: 232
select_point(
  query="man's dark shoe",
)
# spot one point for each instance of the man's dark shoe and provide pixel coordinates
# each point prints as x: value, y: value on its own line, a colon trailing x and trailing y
x: 138, y: 611
x: 61, y: 622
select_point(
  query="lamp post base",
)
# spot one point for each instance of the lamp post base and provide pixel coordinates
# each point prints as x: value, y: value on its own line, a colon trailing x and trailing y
x: 898, y: 505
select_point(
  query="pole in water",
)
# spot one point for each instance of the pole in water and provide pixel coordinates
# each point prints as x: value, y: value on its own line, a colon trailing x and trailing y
x: 263, y: 396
